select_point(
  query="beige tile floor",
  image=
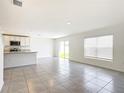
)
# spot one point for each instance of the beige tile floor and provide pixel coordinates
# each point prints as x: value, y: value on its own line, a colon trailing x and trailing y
x: 60, y: 76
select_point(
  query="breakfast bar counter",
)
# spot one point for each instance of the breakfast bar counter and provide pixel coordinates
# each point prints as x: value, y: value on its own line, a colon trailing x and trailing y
x: 19, y: 58
x: 19, y: 52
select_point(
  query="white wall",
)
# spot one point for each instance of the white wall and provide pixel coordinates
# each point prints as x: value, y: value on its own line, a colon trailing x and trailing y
x: 77, y: 47
x: 1, y: 63
x: 43, y: 46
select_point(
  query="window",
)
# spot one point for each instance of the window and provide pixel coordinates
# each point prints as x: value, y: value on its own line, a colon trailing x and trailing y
x: 99, y: 47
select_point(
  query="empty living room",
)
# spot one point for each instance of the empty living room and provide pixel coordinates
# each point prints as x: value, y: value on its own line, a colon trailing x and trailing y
x: 61, y: 46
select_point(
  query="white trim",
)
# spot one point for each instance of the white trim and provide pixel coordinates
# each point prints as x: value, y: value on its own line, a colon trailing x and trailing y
x: 97, y: 58
x: 1, y: 86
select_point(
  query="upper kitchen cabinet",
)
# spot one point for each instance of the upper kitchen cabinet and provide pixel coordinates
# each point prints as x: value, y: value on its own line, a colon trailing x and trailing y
x: 23, y: 41
x: 16, y: 38
x: 6, y: 40
x: 12, y: 38
x: 27, y: 41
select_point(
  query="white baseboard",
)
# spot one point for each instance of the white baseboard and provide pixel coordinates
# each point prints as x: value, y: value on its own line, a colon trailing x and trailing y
x: 1, y: 86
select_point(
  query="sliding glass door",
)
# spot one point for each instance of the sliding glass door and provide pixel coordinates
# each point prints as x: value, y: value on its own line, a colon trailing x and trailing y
x: 61, y: 50
x: 64, y: 49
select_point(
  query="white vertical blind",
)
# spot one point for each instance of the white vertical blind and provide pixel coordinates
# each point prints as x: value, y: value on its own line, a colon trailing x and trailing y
x: 90, y: 47
x: 105, y: 47
x: 99, y: 47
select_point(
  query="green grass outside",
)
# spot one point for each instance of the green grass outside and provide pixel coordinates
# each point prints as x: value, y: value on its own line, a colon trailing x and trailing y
x: 62, y: 55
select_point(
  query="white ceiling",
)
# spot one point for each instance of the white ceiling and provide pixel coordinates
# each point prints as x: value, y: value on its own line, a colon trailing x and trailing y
x: 51, y: 18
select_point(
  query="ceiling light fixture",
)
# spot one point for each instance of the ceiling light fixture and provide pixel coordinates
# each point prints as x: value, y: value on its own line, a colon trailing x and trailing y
x: 68, y: 23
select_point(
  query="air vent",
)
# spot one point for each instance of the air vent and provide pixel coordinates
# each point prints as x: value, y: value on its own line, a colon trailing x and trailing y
x: 17, y: 2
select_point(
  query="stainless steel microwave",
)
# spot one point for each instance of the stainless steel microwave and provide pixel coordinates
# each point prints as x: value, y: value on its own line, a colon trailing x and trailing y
x: 14, y: 43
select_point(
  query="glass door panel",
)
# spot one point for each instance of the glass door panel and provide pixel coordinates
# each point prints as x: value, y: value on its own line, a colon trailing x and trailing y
x: 61, y: 50
x: 64, y: 49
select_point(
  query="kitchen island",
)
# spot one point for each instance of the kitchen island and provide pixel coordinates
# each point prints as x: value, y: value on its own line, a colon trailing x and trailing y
x: 19, y: 58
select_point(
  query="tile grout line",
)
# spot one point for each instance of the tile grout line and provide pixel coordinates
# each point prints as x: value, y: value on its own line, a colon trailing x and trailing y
x: 9, y: 82
x: 26, y: 81
x: 104, y: 86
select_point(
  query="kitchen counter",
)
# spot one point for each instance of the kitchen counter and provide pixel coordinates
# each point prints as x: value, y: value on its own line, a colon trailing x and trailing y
x: 19, y: 52
x: 19, y: 58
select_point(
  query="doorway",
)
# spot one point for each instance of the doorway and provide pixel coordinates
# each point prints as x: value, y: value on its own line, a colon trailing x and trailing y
x: 64, y: 50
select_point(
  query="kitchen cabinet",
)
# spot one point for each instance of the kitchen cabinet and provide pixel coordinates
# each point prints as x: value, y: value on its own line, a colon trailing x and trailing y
x: 6, y: 40
x: 27, y: 41
x: 23, y: 41
x: 12, y: 38
x: 20, y: 58
x: 17, y: 38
